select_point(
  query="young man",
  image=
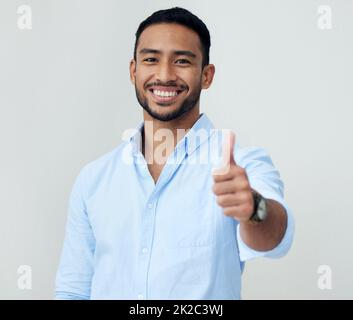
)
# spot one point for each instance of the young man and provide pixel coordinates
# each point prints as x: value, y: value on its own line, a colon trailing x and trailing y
x: 153, y: 219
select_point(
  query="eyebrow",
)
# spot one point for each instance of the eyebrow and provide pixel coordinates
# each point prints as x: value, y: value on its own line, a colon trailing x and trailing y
x: 176, y: 52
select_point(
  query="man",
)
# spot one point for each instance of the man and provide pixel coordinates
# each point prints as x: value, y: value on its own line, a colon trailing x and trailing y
x: 156, y: 218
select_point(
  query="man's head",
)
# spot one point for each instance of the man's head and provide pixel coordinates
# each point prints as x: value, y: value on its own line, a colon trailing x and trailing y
x: 171, y: 63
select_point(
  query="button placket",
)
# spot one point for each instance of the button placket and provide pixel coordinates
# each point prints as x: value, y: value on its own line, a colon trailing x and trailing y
x: 147, y: 221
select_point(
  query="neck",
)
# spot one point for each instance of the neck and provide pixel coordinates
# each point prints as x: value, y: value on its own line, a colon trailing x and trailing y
x: 168, y: 133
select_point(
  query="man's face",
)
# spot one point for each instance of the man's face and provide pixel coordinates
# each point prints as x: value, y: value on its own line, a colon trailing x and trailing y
x: 167, y: 73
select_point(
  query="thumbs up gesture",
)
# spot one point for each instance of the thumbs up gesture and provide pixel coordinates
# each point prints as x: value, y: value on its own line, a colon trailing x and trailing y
x: 231, y: 185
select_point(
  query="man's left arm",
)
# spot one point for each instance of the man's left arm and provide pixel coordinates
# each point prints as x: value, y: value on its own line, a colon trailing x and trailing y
x: 234, y: 193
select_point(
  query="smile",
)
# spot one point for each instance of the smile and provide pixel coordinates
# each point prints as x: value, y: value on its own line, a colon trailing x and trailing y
x: 164, y: 95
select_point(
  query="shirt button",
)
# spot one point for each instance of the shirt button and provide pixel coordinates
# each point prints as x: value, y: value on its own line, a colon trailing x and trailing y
x: 140, y: 297
x: 144, y: 250
x: 150, y: 205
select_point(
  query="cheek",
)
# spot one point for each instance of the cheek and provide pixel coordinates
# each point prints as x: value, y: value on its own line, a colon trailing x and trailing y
x: 140, y: 84
x: 194, y: 85
x: 141, y: 77
x: 193, y: 80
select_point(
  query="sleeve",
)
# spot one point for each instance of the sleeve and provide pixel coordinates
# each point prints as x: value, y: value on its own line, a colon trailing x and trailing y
x: 74, y: 274
x: 265, y: 179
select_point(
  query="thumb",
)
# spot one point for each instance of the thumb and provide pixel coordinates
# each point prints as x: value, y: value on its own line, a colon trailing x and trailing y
x: 228, y: 148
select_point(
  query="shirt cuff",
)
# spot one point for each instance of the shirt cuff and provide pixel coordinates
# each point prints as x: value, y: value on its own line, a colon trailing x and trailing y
x: 247, y: 253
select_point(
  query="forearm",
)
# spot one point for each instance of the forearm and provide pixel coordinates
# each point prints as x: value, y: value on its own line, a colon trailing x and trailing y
x: 267, y: 234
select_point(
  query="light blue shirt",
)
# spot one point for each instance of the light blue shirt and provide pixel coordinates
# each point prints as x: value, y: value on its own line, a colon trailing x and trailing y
x: 129, y: 238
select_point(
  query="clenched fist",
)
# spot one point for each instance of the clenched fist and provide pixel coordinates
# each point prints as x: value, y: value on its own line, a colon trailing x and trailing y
x: 231, y: 185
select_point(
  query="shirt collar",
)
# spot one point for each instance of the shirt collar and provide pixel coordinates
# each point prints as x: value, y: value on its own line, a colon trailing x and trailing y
x: 198, y: 134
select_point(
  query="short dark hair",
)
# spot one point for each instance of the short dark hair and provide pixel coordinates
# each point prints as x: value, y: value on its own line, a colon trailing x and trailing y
x: 183, y: 17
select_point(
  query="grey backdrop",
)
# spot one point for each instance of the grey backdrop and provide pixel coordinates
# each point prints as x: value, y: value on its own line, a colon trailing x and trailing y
x: 281, y: 83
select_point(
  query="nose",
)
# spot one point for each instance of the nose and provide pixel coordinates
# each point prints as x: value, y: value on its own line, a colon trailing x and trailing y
x: 166, y: 72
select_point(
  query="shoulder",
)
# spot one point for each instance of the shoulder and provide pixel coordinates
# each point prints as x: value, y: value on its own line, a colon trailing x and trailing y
x: 246, y: 156
x: 95, y: 171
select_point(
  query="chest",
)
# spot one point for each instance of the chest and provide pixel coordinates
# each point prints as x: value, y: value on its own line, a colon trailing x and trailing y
x: 155, y: 171
x: 129, y: 212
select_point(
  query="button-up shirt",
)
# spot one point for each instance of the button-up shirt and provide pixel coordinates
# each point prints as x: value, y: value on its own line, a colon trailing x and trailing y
x: 128, y: 237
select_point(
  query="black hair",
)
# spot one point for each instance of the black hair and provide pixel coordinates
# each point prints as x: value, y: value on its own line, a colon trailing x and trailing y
x: 183, y: 17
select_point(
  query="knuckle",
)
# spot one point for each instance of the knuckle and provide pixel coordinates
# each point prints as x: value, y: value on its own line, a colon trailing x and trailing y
x: 240, y: 170
x: 243, y: 197
x: 246, y: 182
x: 220, y: 201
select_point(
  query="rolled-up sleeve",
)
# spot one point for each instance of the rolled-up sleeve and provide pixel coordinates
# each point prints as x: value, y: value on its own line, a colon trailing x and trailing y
x: 73, y: 278
x: 265, y: 179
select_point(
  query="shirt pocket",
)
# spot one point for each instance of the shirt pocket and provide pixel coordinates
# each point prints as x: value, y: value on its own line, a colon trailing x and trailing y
x: 193, y: 225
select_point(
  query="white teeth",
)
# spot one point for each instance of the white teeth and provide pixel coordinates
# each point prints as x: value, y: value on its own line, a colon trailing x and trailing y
x: 165, y: 93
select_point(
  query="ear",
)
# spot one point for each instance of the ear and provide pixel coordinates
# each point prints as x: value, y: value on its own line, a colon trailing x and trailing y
x: 132, y: 68
x: 207, y: 75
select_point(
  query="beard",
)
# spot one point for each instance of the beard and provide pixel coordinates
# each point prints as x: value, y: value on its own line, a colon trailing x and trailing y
x: 188, y: 104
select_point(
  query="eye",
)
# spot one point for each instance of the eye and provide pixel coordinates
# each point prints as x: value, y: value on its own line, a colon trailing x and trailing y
x: 150, y: 60
x: 183, y: 61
